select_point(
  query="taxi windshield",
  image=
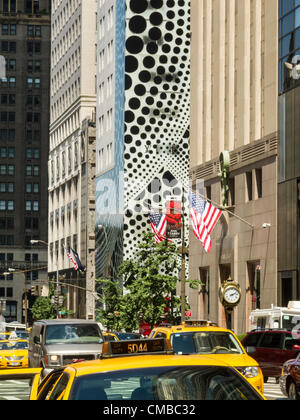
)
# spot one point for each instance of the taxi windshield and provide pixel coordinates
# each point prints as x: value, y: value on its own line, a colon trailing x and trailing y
x: 164, y: 383
x: 205, y: 342
x: 73, y: 334
x: 13, y: 345
x: 128, y: 336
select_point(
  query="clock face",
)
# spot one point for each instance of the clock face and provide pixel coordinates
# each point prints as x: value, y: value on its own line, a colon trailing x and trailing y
x: 232, y: 295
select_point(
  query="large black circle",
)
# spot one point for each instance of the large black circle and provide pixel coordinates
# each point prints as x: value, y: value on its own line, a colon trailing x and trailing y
x: 155, y: 34
x: 140, y: 90
x: 129, y: 116
x: 128, y: 139
x: 134, y: 103
x: 149, y: 62
x: 137, y: 24
x: 134, y: 45
x: 141, y: 120
x: 152, y: 48
x: 149, y: 100
x: 156, y: 4
x: 145, y: 76
x: 156, y: 18
x: 138, y: 6
x: 128, y: 82
x: 131, y: 64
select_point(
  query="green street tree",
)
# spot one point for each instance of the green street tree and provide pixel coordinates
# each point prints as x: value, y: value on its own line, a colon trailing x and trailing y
x: 110, y: 297
x: 43, y: 308
x: 149, y: 281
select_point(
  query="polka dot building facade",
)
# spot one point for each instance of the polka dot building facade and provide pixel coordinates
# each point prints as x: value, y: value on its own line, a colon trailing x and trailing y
x: 151, y: 114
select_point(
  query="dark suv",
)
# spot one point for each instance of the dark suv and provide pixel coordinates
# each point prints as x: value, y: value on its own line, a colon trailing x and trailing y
x: 271, y: 348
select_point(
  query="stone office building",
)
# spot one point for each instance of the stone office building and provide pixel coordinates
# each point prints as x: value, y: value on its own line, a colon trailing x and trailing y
x: 24, y: 120
x: 234, y: 112
x: 289, y: 153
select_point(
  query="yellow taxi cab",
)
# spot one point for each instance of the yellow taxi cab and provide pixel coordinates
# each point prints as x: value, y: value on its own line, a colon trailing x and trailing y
x: 146, y: 370
x: 204, y: 338
x: 13, y: 353
x: 4, y: 335
x: 108, y: 336
x: 24, y: 386
x: 14, y: 335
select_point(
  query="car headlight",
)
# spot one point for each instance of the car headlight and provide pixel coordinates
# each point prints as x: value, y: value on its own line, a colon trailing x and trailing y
x: 51, y: 358
x: 250, y: 371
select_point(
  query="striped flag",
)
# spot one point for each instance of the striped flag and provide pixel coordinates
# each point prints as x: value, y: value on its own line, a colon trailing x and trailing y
x: 158, y: 222
x: 204, y: 217
x: 78, y: 262
x: 71, y: 258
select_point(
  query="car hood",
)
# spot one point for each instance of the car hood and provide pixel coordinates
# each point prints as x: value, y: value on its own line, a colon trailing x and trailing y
x: 73, y: 348
x: 236, y: 360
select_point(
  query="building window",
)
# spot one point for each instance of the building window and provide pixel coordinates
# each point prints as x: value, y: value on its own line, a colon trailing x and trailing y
x: 9, y: 6
x: 248, y: 186
x: 11, y: 169
x: 9, y: 292
x: 10, y: 205
x: 9, y: 29
x: 34, y: 30
x: 254, y: 284
x: 35, y: 206
x: 258, y: 182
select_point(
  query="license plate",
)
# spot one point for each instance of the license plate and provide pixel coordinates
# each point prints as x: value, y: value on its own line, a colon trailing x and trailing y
x: 14, y: 364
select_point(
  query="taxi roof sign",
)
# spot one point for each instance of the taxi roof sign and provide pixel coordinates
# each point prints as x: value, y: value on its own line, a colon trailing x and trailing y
x: 135, y: 347
x: 200, y: 323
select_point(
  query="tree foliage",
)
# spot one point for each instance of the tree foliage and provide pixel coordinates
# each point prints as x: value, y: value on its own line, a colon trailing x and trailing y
x: 149, y: 282
x: 43, y: 308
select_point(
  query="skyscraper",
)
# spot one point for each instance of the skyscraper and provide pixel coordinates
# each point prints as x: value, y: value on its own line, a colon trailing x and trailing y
x: 24, y: 121
x: 71, y: 161
x: 142, y: 120
x: 288, y: 153
x: 234, y: 146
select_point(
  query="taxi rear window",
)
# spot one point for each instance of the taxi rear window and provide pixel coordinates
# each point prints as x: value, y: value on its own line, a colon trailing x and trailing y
x: 164, y: 383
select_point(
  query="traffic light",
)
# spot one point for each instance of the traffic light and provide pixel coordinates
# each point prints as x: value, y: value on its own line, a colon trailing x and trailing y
x: 33, y: 290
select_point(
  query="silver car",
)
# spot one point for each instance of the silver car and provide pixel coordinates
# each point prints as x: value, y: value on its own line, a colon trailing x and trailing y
x: 58, y: 342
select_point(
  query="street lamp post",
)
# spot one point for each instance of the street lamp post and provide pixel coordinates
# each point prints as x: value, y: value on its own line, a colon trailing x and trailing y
x: 12, y: 270
x: 37, y: 241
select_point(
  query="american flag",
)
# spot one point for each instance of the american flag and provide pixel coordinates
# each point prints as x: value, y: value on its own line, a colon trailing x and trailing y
x: 204, y: 217
x: 158, y: 222
x: 78, y: 262
x: 71, y: 258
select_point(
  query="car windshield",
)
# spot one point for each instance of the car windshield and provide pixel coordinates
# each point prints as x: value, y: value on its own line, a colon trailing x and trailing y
x: 13, y: 345
x: 205, y: 342
x: 128, y: 336
x: 290, y: 321
x: 73, y: 334
x: 164, y: 383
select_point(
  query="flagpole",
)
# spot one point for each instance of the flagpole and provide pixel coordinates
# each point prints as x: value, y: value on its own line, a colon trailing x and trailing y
x: 182, y: 259
x: 219, y: 207
x: 226, y: 209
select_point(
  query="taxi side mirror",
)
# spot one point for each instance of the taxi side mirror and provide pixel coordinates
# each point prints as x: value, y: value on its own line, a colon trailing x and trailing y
x: 250, y: 349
